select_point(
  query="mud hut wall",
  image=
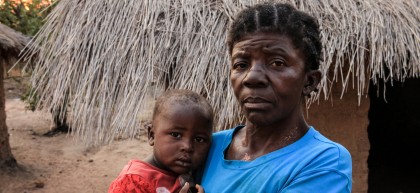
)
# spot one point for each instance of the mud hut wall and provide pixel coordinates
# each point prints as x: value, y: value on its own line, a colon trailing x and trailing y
x: 12, y: 70
x: 345, y: 121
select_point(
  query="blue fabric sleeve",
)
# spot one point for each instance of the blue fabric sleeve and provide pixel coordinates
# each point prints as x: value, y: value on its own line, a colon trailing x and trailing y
x: 320, y: 181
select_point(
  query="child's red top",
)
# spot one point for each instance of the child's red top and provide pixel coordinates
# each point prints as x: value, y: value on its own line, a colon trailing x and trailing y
x: 141, y: 177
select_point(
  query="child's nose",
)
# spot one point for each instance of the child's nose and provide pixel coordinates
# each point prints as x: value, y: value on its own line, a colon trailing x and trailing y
x: 187, y: 146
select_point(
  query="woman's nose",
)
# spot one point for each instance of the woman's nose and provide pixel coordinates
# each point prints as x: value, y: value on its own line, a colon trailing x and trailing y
x: 256, y: 76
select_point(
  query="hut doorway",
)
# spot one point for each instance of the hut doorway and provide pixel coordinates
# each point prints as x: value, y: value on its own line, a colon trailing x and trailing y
x: 394, y: 132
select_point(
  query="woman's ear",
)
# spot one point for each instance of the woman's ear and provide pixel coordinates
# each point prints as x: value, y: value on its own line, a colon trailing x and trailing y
x: 313, y: 77
x: 150, y: 134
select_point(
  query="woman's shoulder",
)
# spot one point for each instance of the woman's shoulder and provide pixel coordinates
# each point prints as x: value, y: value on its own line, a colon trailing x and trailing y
x: 223, y: 134
x: 326, y: 143
x: 321, y: 156
x: 327, y: 149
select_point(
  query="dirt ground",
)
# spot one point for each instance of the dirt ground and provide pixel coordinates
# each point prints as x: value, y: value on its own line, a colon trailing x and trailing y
x: 59, y: 163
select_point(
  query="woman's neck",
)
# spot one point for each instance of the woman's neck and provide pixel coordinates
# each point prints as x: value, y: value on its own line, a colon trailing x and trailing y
x: 272, y: 137
x: 254, y: 141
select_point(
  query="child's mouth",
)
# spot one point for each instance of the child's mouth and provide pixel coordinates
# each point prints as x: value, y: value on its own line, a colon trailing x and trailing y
x: 184, y: 163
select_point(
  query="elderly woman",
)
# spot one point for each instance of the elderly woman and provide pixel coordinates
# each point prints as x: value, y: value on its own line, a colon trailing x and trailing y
x: 275, y: 54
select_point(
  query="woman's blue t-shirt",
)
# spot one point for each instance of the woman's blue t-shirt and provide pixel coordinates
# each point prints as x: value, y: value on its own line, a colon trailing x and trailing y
x: 311, y: 164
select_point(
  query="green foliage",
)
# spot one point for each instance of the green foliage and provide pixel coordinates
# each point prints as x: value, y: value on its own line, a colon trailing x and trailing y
x: 25, y: 17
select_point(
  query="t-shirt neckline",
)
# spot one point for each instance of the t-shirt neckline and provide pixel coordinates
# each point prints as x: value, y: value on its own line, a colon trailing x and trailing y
x: 240, y: 164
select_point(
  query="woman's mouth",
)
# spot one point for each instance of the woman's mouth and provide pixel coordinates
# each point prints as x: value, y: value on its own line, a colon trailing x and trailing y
x: 256, y: 103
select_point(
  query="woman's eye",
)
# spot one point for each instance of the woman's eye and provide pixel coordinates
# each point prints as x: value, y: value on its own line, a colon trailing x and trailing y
x: 277, y: 63
x: 240, y: 65
x: 175, y: 134
x: 199, y: 139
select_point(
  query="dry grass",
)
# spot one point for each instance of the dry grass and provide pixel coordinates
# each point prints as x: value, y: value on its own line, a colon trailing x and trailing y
x: 11, y: 43
x: 107, y: 55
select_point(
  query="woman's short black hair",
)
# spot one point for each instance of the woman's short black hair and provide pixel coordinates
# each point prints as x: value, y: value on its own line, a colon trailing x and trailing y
x: 283, y: 19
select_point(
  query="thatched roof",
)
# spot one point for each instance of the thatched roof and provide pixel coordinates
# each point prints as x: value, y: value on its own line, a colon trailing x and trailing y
x: 108, y: 54
x: 11, y: 43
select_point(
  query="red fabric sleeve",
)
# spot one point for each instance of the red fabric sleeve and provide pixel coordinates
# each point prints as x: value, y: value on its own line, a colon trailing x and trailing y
x: 130, y: 183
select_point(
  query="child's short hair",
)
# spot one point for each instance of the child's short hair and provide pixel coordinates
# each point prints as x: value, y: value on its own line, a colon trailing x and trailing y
x: 183, y: 97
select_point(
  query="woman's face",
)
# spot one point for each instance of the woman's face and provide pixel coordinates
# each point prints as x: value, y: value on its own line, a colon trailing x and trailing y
x: 268, y: 77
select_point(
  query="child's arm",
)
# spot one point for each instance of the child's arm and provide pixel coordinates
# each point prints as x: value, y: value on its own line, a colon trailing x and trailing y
x: 186, y: 189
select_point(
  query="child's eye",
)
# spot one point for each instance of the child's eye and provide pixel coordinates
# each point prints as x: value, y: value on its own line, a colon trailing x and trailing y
x: 199, y: 139
x: 175, y: 134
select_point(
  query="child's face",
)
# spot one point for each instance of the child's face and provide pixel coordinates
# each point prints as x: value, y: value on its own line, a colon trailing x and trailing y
x: 181, y: 136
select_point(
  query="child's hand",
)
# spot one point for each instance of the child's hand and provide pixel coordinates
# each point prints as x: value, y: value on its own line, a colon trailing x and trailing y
x: 186, y: 189
x: 199, y: 188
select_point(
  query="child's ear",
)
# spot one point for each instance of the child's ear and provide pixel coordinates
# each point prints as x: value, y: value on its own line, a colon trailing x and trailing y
x: 150, y: 134
x: 313, y: 77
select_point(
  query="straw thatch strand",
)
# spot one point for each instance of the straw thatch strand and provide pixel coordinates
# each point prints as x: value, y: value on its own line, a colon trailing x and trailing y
x: 103, y: 56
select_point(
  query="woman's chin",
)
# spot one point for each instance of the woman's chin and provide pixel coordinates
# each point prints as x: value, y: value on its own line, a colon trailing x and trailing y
x: 257, y: 118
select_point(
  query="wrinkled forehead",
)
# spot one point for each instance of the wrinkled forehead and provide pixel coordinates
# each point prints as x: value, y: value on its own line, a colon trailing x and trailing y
x: 255, y: 43
x: 265, y: 43
x: 258, y: 40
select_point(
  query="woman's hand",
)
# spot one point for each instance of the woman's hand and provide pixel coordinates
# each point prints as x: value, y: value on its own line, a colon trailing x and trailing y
x: 186, y: 189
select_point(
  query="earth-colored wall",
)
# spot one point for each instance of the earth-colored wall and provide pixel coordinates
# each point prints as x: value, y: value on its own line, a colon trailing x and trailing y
x: 13, y: 71
x: 345, y: 121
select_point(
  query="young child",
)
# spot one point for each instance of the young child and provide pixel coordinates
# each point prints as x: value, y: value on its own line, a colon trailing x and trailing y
x: 180, y: 134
